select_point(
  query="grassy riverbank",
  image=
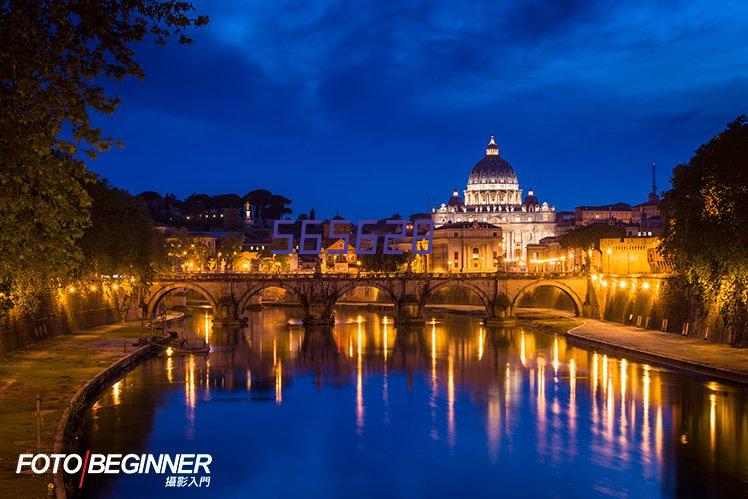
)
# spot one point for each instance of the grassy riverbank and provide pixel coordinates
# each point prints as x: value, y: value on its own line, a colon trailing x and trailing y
x: 54, y: 369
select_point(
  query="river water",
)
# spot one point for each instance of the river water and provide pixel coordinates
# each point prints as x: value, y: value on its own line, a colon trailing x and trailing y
x: 453, y: 409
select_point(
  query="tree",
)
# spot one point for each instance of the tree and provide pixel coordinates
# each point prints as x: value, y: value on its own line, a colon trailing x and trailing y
x: 379, y: 262
x: 269, y: 262
x: 269, y: 206
x: 53, y: 57
x: 187, y: 253
x: 588, y: 236
x: 43, y: 212
x: 705, y: 234
x: 229, y: 247
x: 121, y: 239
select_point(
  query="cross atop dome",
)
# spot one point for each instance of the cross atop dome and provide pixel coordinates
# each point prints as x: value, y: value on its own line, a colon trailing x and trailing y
x: 492, y: 149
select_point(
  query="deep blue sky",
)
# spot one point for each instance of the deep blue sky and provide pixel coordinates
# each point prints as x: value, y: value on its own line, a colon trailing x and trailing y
x: 382, y: 107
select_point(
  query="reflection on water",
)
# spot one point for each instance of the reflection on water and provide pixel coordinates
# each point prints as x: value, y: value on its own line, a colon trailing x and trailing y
x: 454, y: 408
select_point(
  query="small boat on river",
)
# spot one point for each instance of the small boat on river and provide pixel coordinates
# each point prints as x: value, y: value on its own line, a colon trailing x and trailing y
x: 185, y: 348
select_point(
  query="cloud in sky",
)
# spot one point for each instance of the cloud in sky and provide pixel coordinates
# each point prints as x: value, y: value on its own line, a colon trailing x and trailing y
x: 377, y: 107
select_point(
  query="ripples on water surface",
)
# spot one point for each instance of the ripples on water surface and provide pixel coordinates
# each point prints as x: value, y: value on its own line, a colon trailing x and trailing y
x: 453, y: 409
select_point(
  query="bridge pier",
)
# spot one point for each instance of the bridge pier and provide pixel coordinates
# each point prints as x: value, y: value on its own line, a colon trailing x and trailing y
x: 318, y: 313
x: 226, y: 314
x: 500, y: 312
x: 409, y: 312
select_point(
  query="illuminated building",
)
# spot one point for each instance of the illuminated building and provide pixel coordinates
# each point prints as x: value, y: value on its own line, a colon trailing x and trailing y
x: 611, y: 213
x: 493, y: 196
x: 466, y: 247
x: 632, y: 255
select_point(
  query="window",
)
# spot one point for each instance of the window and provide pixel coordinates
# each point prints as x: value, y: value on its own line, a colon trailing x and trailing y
x: 455, y: 234
x: 457, y: 255
x: 475, y: 254
x: 495, y: 234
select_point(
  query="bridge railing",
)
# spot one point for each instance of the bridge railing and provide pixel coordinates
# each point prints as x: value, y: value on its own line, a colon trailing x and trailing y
x: 363, y: 276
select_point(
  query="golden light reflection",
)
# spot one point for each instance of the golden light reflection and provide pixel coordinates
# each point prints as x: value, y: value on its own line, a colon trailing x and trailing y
x: 595, y: 410
x: 189, y: 383
x: 480, y: 343
x: 451, y: 400
x: 279, y: 382
x: 658, y: 434
x: 540, y: 399
x: 595, y: 367
x: 572, y: 395
x: 116, y: 392
x: 645, y: 412
x: 605, y: 374
x: 433, y: 356
x: 522, y: 353
x: 712, y: 421
x: 359, y: 382
x: 623, y: 423
x: 385, y: 343
x: 609, y: 411
x: 206, y: 396
x: 206, y: 325
x: 555, y: 358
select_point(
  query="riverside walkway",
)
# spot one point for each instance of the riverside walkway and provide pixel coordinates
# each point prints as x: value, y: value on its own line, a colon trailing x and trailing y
x: 667, y: 349
x: 54, y: 368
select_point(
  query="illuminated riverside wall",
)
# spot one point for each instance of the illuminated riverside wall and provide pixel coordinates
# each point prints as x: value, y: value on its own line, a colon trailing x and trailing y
x: 58, y: 313
x: 656, y: 302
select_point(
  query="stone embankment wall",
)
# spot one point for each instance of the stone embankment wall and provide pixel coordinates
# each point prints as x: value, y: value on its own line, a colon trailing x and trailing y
x: 662, y: 306
x: 62, y: 313
x: 68, y: 427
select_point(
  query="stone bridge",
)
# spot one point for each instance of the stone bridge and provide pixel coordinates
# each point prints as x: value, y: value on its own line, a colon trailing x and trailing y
x: 230, y: 294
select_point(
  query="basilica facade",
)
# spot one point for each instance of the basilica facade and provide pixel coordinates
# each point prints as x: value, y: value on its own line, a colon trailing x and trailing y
x: 493, y: 196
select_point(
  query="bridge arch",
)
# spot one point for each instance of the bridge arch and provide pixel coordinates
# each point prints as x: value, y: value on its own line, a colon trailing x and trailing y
x: 578, y: 304
x: 156, y: 297
x: 244, y: 300
x: 482, y: 295
x: 348, y: 287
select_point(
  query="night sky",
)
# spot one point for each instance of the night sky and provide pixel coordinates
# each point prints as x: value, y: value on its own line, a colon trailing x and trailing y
x: 374, y: 108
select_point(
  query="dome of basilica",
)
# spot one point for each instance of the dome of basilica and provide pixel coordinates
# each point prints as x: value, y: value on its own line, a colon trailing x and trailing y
x: 492, y: 169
